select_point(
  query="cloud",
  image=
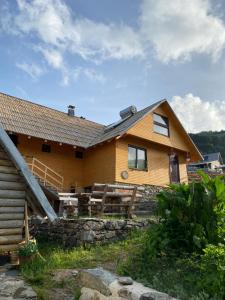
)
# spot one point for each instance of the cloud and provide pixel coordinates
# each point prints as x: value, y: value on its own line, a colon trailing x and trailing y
x: 89, y: 73
x: 198, y: 115
x: 33, y: 70
x: 179, y: 28
x: 52, y: 22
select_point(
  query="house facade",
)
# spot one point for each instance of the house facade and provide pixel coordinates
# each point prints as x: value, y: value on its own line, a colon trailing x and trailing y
x: 149, y: 146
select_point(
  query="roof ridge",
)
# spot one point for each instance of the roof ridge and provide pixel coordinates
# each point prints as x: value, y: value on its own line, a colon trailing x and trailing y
x: 47, y: 107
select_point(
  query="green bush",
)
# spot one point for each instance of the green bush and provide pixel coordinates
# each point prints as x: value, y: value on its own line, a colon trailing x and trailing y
x: 28, y: 249
x: 191, y: 216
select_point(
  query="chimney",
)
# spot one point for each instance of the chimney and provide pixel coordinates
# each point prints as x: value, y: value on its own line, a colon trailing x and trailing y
x: 71, y: 110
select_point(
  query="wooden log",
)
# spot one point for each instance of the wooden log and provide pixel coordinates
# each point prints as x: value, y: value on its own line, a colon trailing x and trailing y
x: 10, y: 231
x: 27, y: 236
x: 111, y: 194
x: 8, y: 194
x: 119, y: 186
x: 11, y: 224
x: 9, y: 247
x: 7, y: 185
x: 6, y: 162
x: 12, y: 202
x: 8, y: 170
x: 11, y: 239
x: 10, y: 177
x: 11, y: 209
x: 12, y: 216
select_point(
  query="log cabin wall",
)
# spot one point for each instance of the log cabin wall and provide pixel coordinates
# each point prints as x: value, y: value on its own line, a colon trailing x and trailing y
x: 61, y: 159
x: 12, y: 201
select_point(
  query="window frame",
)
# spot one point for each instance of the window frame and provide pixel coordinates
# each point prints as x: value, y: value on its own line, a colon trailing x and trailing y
x: 161, y: 125
x: 136, y: 158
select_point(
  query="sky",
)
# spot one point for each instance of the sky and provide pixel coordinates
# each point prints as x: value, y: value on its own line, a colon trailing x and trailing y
x: 104, y: 55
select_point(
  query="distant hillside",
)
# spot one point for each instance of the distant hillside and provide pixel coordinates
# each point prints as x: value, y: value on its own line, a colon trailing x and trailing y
x: 210, y: 141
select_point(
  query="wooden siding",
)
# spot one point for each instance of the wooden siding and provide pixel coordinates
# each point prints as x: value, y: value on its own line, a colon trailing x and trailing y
x: 177, y: 139
x: 99, y: 164
x: 158, y: 163
x: 61, y: 159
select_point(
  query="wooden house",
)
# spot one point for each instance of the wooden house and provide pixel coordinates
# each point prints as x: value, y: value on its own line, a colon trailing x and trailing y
x: 68, y: 152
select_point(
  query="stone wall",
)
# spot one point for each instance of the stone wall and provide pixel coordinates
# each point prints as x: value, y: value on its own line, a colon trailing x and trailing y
x: 76, y: 232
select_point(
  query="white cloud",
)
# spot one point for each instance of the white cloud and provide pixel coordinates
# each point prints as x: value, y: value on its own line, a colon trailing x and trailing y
x: 33, y: 70
x: 179, y: 28
x: 198, y: 115
x: 89, y: 73
x: 52, y: 22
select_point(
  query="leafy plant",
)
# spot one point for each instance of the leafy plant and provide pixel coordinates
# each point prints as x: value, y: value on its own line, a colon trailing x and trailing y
x: 28, y: 249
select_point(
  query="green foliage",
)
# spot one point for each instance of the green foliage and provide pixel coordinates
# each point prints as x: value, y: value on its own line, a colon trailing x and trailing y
x: 28, y: 249
x: 213, y: 270
x: 209, y: 142
x: 192, y: 216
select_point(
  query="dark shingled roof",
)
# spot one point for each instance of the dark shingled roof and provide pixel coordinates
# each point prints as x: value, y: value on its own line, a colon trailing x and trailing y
x: 209, y: 157
x: 21, y: 116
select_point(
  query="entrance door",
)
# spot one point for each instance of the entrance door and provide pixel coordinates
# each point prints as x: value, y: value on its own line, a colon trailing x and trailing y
x: 174, y: 169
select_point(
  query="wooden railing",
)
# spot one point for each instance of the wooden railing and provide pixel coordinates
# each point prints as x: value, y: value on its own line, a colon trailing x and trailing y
x: 48, y: 176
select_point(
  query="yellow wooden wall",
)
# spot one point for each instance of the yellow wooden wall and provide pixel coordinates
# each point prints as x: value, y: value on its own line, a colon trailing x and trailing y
x: 61, y: 159
x: 99, y: 164
x: 177, y: 139
x: 158, y: 163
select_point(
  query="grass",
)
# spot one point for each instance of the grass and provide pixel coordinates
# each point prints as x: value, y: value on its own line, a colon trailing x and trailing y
x: 111, y: 256
x: 179, y: 277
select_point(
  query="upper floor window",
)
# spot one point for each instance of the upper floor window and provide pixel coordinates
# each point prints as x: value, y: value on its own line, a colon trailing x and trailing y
x: 161, y: 124
x: 137, y: 158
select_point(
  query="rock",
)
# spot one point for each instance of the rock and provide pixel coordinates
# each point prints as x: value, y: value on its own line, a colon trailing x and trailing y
x: 97, y: 279
x: 147, y: 296
x: 125, y: 280
x: 124, y: 292
x: 61, y: 275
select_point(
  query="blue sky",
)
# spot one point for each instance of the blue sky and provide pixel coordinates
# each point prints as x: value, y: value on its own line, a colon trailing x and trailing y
x: 104, y: 55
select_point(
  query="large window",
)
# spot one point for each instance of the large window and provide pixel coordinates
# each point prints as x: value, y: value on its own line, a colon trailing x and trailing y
x: 137, y: 158
x: 160, y: 124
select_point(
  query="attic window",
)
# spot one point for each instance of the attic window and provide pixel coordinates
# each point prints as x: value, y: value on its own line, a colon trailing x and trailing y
x: 79, y: 154
x: 46, y: 148
x: 160, y: 124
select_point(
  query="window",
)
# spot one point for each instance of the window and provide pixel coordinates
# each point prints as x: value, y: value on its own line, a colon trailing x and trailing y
x: 46, y: 148
x: 137, y: 158
x: 79, y: 154
x: 161, y: 124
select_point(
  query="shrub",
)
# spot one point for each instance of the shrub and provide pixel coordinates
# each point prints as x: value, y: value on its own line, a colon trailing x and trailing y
x: 28, y: 249
x: 191, y: 216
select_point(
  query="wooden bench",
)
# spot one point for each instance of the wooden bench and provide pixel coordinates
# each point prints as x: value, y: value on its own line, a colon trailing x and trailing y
x: 125, y: 199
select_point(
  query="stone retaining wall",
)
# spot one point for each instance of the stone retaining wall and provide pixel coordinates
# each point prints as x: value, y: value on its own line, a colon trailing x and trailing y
x: 75, y: 232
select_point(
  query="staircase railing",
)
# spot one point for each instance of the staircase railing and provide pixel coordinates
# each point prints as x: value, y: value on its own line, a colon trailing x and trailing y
x: 46, y: 175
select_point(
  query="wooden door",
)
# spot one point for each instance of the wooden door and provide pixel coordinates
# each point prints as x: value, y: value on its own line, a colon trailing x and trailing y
x: 174, y: 169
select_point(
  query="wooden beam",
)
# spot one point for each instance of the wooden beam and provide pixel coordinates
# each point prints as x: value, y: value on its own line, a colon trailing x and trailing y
x: 8, y: 194
x: 120, y: 186
x: 10, y: 177
x: 8, y: 170
x: 27, y: 236
x: 11, y: 224
x: 11, y: 239
x: 130, y: 208
x: 10, y: 209
x: 7, y: 185
x: 11, y: 216
x: 12, y: 202
x: 10, y: 231
x: 9, y: 247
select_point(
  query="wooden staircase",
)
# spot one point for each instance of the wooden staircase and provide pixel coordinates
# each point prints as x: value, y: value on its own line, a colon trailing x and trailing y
x: 12, y: 203
x: 46, y: 176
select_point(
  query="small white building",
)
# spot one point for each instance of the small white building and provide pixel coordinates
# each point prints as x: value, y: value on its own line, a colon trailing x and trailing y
x: 212, y: 162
